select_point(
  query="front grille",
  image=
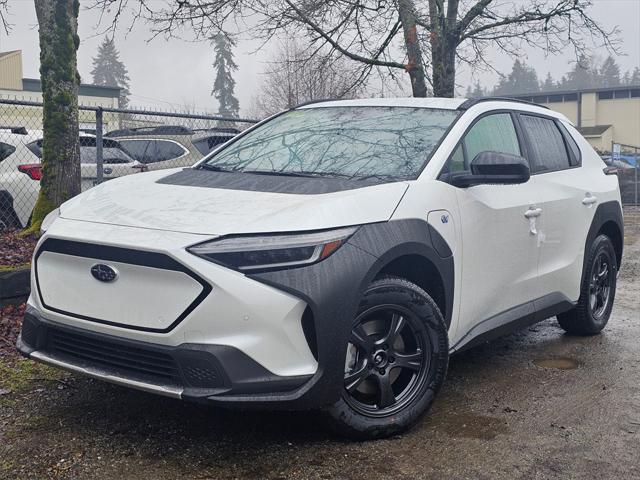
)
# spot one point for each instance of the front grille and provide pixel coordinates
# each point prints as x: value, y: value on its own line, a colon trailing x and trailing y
x: 142, y: 363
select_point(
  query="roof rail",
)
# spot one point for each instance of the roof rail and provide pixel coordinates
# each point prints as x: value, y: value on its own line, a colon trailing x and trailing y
x: 153, y: 130
x: 311, y: 102
x: 467, y: 104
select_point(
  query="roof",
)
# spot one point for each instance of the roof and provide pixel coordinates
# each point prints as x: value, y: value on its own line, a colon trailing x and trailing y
x: 34, y: 85
x: 431, y: 102
x: 594, y: 131
x: 7, y: 54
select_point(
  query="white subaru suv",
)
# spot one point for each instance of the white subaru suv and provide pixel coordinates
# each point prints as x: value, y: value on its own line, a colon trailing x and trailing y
x: 333, y: 257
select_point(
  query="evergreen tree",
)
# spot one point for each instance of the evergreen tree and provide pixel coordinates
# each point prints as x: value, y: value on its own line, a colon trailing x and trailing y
x: 522, y: 79
x: 478, y: 91
x: 609, y: 73
x: 635, y: 77
x: 109, y: 70
x: 549, y: 84
x: 582, y: 76
x: 224, y: 84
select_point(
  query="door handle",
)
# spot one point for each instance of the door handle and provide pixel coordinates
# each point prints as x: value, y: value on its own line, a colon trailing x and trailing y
x: 589, y: 199
x: 533, y: 213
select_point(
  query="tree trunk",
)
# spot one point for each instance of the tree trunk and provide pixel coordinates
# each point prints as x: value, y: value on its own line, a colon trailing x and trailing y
x: 58, y: 32
x: 444, y: 43
x: 415, y: 64
x: 444, y: 66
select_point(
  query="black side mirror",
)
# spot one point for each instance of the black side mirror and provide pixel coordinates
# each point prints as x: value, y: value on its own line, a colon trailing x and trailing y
x: 493, y: 168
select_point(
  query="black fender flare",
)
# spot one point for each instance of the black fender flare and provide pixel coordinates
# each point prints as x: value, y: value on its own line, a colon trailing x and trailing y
x: 333, y: 288
x: 606, y: 212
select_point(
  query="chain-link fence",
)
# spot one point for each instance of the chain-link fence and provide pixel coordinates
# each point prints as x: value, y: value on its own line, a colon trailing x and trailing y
x: 113, y: 143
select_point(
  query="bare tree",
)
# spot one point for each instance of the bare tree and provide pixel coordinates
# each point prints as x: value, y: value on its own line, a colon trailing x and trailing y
x: 58, y: 33
x: 294, y: 76
x: 424, y: 38
x: 4, y: 11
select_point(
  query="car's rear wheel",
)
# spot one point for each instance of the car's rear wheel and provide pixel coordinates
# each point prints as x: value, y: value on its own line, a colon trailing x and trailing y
x: 397, y: 357
x: 597, y: 291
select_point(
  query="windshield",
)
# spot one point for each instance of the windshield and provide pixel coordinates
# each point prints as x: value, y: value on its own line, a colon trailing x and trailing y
x: 353, y: 142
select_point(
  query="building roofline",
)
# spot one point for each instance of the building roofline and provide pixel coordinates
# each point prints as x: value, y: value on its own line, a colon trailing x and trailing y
x: 580, y: 90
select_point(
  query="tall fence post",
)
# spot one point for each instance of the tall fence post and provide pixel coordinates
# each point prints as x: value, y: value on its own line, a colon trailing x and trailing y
x: 635, y: 169
x: 99, y: 158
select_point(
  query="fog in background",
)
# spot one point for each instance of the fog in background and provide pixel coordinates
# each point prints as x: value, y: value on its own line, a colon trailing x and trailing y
x: 178, y: 74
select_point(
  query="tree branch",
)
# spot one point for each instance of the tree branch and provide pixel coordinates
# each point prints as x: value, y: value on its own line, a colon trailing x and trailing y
x: 336, y: 46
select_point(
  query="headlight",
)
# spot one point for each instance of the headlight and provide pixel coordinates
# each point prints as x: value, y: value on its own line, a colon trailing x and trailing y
x: 273, y: 251
x: 49, y: 219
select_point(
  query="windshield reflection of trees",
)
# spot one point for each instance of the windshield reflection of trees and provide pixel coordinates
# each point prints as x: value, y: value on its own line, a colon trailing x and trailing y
x: 366, y: 141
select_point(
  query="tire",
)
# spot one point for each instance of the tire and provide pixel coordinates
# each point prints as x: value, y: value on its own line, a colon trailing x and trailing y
x: 597, y: 291
x: 9, y: 220
x: 397, y: 360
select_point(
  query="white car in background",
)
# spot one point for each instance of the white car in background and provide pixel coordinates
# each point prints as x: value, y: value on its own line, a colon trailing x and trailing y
x: 170, y: 146
x: 20, y: 170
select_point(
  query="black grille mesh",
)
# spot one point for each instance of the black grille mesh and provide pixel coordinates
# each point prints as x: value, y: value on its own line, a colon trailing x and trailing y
x: 140, y: 362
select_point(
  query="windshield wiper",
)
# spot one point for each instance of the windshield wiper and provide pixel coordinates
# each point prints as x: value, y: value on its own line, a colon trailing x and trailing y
x: 376, y: 176
x: 279, y: 173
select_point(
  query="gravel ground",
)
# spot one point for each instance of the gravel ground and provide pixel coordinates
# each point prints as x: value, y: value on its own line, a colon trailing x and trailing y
x: 535, y: 404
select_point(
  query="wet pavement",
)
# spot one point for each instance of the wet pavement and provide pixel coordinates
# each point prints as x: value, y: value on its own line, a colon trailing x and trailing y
x: 535, y: 404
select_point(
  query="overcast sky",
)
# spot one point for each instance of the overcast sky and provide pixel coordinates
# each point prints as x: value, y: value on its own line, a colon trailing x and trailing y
x: 177, y: 74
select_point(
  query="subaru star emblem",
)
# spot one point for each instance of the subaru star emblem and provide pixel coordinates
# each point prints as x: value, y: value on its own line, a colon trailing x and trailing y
x: 104, y: 273
x: 444, y: 218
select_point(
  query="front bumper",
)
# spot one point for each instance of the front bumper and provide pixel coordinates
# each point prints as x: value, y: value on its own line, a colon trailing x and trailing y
x: 200, y: 372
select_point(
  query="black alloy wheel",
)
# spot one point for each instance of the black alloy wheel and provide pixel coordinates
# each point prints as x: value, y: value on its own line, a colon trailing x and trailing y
x: 397, y: 353
x: 600, y: 286
x: 387, y: 360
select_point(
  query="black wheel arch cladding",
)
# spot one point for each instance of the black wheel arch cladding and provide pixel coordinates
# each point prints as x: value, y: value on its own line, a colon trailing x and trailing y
x: 333, y: 289
x: 607, y: 220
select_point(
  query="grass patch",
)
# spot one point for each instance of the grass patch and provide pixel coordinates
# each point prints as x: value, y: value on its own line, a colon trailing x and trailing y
x: 9, y: 268
x: 23, y: 374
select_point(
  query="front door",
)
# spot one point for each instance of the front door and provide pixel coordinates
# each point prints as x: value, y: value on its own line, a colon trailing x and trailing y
x: 499, y: 233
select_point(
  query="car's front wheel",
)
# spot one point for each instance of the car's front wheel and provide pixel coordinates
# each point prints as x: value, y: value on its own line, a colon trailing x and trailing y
x: 397, y: 357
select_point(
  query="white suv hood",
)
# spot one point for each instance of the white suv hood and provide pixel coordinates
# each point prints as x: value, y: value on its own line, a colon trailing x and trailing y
x: 138, y: 201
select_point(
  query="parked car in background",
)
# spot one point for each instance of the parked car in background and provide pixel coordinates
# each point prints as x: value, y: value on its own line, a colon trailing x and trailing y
x: 18, y: 192
x: 627, y: 170
x: 169, y: 146
x: 21, y: 170
x: 116, y: 160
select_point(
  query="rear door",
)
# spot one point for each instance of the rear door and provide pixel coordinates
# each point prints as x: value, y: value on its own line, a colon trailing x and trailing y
x: 567, y: 202
x: 499, y: 243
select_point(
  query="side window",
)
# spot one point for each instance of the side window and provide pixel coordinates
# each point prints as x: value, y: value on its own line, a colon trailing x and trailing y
x: 548, y: 150
x: 138, y: 149
x: 6, y: 150
x: 110, y: 155
x: 207, y: 144
x: 151, y: 151
x: 494, y: 133
x: 165, y: 150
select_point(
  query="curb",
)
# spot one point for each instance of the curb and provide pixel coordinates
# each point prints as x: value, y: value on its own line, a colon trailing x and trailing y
x: 15, y: 285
